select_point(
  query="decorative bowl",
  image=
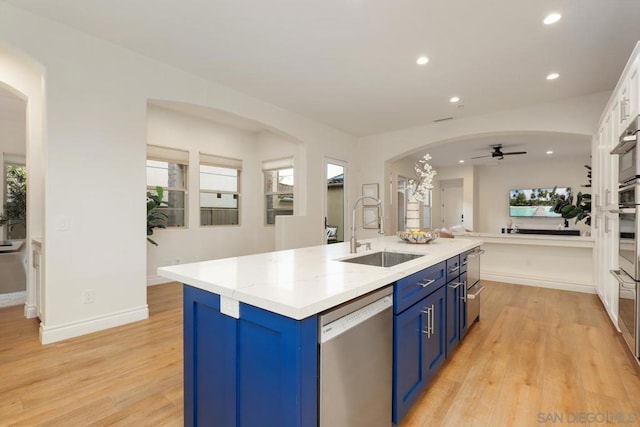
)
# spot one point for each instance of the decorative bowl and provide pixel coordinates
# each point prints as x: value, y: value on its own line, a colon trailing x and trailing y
x: 419, y: 237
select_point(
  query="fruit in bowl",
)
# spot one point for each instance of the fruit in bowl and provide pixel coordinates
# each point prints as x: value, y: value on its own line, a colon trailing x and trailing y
x: 418, y: 236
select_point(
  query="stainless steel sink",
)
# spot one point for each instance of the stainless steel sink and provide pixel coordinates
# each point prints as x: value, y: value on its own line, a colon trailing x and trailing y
x: 382, y: 259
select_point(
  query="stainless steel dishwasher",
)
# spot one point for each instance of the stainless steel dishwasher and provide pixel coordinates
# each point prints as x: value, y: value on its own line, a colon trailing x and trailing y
x: 356, y: 355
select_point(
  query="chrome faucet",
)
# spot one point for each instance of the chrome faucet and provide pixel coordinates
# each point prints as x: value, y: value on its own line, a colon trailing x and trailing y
x: 354, y: 243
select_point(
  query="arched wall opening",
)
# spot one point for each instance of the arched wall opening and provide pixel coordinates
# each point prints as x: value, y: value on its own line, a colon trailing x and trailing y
x: 486, y: 181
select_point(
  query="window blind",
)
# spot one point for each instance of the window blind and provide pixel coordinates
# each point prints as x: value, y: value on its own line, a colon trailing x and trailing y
x: 165, y: 154
x: 285, y: 163
x: 223, y: 162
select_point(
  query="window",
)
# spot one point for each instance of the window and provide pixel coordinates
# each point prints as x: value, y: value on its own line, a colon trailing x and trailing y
x: 426, y: 210
x: 219, y: 190
x: 15, y: 197
x: 167, y: 168
x: 278, y: 180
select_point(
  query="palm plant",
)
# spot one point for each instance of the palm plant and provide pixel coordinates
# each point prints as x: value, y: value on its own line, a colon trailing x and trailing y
x: 155, y: 217
x: 15, y: 210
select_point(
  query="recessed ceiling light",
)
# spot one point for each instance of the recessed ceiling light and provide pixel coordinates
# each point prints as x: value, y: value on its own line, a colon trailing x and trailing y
x: 551, y: 18
x: 553, y: 76
x: 549, y: 152
x: 460, y: 161
x: 422, y: 60
x: 454, y: 99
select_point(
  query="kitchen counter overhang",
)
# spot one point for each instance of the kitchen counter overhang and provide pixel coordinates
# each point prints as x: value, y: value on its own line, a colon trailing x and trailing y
x: 299, y: 283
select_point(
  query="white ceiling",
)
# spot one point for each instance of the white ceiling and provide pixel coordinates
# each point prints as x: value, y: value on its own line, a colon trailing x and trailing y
x: 351, y: 63
x: 535, y: 144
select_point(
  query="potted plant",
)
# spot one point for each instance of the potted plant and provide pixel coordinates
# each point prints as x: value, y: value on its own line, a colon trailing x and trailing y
x: 581, y: 210
x: 155, y: 217
x: 15, y: 210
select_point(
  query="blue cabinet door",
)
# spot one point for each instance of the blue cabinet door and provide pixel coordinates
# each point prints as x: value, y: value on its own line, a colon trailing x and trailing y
x: 258, y: 370
x: 409, y: 376
x: 209, y: 361
x: 278, y: 369
x: 435, y: 342
x: 454, y: 297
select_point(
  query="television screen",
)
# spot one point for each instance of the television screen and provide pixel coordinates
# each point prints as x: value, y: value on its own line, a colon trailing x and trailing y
x: 535, y: 202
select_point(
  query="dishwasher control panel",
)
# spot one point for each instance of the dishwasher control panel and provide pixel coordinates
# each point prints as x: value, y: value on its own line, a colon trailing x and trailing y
x: 348, y: 321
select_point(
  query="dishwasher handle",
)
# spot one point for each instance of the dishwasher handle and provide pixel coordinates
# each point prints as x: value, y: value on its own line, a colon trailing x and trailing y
x: 476, y: 294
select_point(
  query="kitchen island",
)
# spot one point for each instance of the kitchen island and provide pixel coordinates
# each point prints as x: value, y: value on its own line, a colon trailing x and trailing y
x: 251, y: 328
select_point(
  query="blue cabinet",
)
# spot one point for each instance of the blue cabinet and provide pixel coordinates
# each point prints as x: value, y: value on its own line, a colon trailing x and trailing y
x: 258, y: 370
x: 457, y: 324
x: 419, y: 349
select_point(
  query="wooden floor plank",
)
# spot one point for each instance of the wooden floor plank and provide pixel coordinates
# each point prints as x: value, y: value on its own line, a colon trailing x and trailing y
x: 535, y: 353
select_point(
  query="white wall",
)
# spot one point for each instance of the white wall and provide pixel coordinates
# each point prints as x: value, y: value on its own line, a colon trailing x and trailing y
x: 96, y: 108
x: 177, y: 245
x: 494, y: 183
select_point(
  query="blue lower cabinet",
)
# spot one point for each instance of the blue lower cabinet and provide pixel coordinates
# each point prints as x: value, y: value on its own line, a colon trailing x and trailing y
x: 455, y: 294
x: 419, y: 350
x: 258, y: 370
x: 435, y: 344
x: 456, y: 312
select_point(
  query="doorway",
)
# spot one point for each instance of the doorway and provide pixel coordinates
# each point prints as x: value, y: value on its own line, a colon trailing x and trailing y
x: 13, y: 232
x: 452, y: 203
x: 334, y: 222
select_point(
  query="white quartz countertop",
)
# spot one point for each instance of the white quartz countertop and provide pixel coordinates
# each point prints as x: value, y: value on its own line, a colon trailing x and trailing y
x: 298, y: 283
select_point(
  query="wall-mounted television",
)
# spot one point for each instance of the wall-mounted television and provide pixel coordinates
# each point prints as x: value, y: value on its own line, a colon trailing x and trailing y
x: 535, y: 202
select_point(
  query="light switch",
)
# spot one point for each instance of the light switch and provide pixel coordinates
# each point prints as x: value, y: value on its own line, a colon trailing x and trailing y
x: 63, y: 223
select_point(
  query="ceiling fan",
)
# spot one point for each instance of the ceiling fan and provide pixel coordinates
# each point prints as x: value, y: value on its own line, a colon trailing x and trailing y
x: 497, y: 153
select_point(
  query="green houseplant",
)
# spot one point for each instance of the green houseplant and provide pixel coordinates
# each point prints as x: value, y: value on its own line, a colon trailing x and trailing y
x: 15, y: 210
x: 155, y: 217
x: 581, y: 210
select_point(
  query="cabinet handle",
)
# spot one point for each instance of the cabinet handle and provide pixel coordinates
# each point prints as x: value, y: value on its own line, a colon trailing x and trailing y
x: 428, y: 313
x: 607, y: 193
x: 464, y: 292
x: 624, y: 115
x: 426, y: 283
x: 452, y: 269
x: 606, y: 224
x: 432, y: 323
x: 456, y: 285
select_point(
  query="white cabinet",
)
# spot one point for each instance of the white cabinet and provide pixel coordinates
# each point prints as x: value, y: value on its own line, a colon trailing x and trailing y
x: 628, y: 95
x: 622, y: 107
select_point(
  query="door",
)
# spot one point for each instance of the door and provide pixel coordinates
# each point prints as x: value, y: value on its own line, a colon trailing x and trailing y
x: 434, y: 346
x: 452, y: 213
x: 335, y: 200
x: 409, y: 332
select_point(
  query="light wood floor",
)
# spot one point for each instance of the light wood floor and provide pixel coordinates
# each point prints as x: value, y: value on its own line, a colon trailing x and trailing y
x: 537, y: 353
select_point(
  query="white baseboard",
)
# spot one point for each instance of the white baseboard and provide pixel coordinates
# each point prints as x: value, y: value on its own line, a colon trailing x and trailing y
x: 50, y: 334
x: 542, y: 282
x: 30, y: 311
x: 157, y: 280
x: 13, y: 298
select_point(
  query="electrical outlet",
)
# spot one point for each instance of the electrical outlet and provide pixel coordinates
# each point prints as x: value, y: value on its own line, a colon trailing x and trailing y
x: 89, y: 296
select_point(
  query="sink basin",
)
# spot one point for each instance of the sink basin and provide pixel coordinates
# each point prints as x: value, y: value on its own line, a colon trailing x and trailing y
x: 382, y: 259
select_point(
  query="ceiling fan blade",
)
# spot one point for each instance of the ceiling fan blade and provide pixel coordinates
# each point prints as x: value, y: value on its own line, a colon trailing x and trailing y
x: 482, y: 157
x: 514, y: 153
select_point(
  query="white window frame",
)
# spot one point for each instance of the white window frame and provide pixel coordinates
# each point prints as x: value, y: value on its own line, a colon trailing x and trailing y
x: 221, y: 162
x: 180, y: 157
x: 274, y: 166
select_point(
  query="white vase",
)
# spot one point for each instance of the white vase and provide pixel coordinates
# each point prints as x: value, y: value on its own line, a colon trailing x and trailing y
x: 413, y: 213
